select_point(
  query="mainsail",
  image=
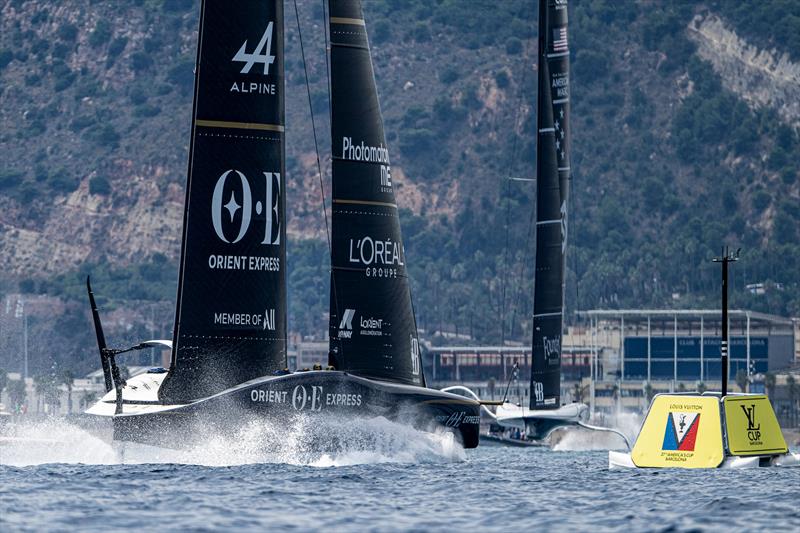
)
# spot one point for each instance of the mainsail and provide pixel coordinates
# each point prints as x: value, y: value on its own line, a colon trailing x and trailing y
x: 553, y: 175
x: 230, y: 323
x: 372, y: 327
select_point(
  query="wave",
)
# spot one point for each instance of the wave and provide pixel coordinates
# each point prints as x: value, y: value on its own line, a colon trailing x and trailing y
x: 305, y: 441
x: 580, y: 439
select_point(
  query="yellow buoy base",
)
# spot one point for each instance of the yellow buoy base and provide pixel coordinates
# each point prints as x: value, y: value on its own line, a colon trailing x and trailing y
x: 704, y: 431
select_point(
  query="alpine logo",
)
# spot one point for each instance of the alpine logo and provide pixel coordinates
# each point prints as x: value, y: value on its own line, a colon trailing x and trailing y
x: 262, y: 53
x: 346, y: 325
x: 681, y: 431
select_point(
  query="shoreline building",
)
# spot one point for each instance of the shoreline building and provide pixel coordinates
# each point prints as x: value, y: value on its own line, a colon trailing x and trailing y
x: 618, y: 359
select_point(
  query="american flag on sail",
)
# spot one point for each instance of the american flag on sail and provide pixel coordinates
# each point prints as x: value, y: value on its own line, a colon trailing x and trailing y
x: 560, y: 39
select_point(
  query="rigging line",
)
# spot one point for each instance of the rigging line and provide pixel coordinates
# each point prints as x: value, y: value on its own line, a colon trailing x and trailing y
x: 313, y: 128
x: 574, y: 248
x: 512, y: 168
x: 316, y: 149
x: 325, y: 18
x: 524, y: 267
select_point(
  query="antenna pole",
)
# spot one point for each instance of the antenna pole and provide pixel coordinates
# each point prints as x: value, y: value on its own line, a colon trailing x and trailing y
x: 726, y: 258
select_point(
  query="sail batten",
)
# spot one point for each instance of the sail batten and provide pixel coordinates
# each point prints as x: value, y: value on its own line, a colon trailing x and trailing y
x: 230, y: 322
x: 372, y: 327
x: 553, y: 175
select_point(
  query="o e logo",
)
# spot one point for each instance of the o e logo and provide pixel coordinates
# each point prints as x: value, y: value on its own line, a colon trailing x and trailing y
x: 231, y: 206
x: 271, y: 206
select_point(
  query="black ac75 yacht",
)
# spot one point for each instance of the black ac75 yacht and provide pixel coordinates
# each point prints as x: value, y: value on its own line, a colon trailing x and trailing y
x: 229, y: 345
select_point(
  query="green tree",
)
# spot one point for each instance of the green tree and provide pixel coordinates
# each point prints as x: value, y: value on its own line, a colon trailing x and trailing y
x: 87, y: 399
x: 3, y: 382
x: 46, y: 391
x: 794, y: 393
x: 769, y: 384
x: 68, y: 379
x: 99, y: 185
x: 742, y: 379
x: 17, y: 394
x: 649, y: 392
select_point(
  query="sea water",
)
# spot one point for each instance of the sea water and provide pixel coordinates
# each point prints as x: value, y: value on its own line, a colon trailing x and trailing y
x: 387, y: 477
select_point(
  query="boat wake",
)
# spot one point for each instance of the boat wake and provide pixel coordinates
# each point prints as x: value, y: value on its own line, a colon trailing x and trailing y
x: 52, y: 440
x: 305, y: 442
x: 579, y: 439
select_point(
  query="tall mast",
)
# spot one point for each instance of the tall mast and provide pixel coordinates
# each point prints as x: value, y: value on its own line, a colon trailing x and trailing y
x: 726, y: 258
x: 230, y: 323
x: 373, y: 331
x: 552, y: 179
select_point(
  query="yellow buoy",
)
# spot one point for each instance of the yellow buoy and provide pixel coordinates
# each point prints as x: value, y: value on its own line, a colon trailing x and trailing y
x: 682, y: 431
x: 704, y: 431
x: 752, y: 426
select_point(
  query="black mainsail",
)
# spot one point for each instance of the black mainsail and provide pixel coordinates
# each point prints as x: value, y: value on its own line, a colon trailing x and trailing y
x: 372, y: 327
x: 230, y: 323
x: 553, y: 175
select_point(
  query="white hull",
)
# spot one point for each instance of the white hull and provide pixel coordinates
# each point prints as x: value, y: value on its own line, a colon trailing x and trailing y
x: 623, y: 460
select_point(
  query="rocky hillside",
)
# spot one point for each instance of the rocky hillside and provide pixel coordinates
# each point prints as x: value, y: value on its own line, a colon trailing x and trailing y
x: 685, y: 136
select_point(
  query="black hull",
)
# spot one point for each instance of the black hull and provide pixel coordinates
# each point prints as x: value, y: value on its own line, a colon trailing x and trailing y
x: 287, y: 398
x: 498, y: 440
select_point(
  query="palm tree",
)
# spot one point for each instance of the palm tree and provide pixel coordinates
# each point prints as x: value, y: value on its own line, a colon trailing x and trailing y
x: 741, y: 379
x: 87, y: 398
x: 769, y: 384
x: 649, y: 392
x: 793, y: 389
x: 3, y: 382
x: 68, y: 379
x: 40, y: 384
x: 46, y: 390
x: 16, y: 394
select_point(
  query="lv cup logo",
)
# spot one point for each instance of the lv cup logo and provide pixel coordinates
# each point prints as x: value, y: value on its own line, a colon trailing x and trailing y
x: 753, y: 429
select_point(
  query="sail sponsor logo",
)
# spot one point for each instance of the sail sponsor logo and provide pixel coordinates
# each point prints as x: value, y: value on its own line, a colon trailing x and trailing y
x: 371, y: 327
x: 346, y: 325
x: 414, y: 356
x: 244, y: 262
x: 363, y: 152
x: 262, y: 54
x: 538, y: 391
x: 552, y: 348
x: 256, y: 320
x: 681, y: 431
x: 559, y: 82
x: 252, y: 88
x: 380, y: 258
x: 221, y: 209
x: 369, y: 154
